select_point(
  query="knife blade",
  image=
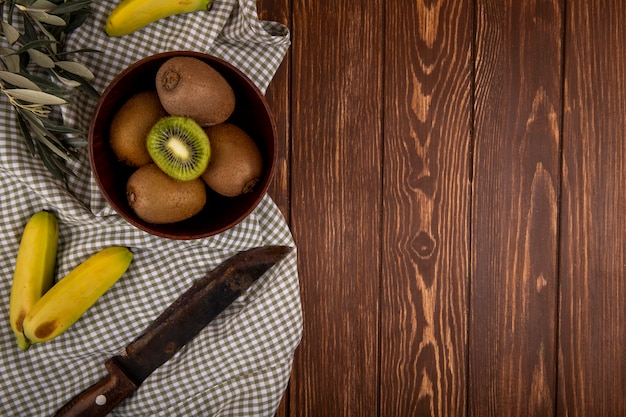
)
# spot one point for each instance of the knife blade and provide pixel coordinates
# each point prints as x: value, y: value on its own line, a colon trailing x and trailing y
x: 177, y: 325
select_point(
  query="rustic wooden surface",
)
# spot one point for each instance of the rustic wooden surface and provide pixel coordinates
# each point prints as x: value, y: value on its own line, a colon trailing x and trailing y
x: 454, y: 176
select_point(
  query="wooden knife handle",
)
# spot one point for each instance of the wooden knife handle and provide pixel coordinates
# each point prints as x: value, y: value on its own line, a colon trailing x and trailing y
x: 102, y: 397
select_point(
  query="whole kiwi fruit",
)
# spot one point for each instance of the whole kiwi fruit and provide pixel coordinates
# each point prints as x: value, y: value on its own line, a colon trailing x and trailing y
x: 159, y: 199
x: 190, y: 87
x: 130, y: 126
x: 179, y: 146
x: 236, y: 163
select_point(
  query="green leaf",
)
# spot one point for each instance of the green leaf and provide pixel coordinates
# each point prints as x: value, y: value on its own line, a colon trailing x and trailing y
x: 53, y: 144
x: 11, y: 60
x: 62, y: 129
x: 37, y: 43
x: 45, y: 137
x: 10, y: 32
x: 88, y: 88
x: 76, y: 68
x: 30, y: 144
x: 36, y: 97
x: 35, y: 124
x: 49, y: 35
x: 71, y: 6
x: 33, y: 121
x: 76, y: 20
x: 44, y: 82
x: 30, y: 33
x: 85, y: 86
x: 44, y: 17
x: 11, y: 4
x: 18, y: 80
x: 75, y: 141
x: 55, y: 167
x: 77, y: 51
x: 40, y: 58
x: 66, y: 81
x: 42, y: 5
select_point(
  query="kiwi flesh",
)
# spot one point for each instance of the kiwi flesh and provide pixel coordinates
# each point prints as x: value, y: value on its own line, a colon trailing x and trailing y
x: 188, y: 86
x: 236, y: 163
x: 179, y: 146
x: 157, y: 198
x: 130, y: 126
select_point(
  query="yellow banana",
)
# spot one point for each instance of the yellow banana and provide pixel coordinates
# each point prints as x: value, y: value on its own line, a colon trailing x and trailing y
x: 130, y: 15
x: 34, y: 269
x: 69, y: 298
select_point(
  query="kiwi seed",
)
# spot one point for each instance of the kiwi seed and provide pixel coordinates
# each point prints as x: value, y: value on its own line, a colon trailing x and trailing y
x: 130, y: 126
x: 180, y: 147
x: 236, y: 162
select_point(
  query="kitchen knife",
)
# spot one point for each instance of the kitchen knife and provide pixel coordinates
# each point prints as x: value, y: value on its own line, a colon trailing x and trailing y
x: 176, y: 326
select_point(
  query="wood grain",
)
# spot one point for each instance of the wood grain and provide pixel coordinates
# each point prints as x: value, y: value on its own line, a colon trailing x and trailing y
x: 426, y: 197
x: 279, y: 100
x: 514, y: 255
x: 592, y: 337
x: 335, y: 203
x: 453, y: 174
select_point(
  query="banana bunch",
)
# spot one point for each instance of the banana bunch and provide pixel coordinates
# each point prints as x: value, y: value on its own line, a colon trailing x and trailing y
x: 39, y: 310
x: 130, y: 15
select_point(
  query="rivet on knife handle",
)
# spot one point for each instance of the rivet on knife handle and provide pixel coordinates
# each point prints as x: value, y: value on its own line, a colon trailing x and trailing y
x: 102, y: 397
x: 176, y: 325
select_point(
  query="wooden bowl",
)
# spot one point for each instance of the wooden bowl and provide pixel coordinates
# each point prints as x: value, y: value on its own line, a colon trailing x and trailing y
x: 251, y: 113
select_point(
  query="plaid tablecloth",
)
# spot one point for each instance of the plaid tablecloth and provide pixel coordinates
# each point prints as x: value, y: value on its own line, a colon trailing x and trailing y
x: 238, y: 365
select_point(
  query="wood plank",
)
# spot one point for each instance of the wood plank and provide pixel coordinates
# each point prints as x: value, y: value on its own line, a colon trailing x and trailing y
x: 336, y: 195
x: 514, y: 280
x: 278, y: 98
x: 426, y: 197
x: 592, y: 356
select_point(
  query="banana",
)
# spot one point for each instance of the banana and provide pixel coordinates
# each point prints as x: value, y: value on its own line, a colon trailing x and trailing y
x: 73, y: 295
x: 34, y: 269
x: 130, y: 15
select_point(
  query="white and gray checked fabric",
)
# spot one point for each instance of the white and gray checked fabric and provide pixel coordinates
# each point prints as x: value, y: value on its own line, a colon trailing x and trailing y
x: 240, y: 364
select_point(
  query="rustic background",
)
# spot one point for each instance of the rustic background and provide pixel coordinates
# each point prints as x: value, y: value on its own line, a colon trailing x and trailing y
x: 454, y: 176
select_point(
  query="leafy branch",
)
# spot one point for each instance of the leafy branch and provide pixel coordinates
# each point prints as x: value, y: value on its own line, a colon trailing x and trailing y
x: 37, y: 75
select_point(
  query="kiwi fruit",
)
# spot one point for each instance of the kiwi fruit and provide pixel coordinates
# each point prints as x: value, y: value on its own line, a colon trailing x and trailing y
x: 190, y: 87
x: 179, y: 146
x: 236, y: 163
x: 130, y: 126
x: 157, y: 198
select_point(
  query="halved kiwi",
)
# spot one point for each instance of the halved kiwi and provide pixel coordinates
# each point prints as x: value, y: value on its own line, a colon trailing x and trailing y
x: 180, y: 147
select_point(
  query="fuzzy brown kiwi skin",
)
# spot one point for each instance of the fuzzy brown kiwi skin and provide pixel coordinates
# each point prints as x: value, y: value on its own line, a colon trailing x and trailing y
x: 130, y: 126
x: 236, y: 164
x: 190, y: 87
x: 157, y: 198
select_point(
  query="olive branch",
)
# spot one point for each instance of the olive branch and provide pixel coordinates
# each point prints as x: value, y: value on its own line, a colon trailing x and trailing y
x: 37, y: 75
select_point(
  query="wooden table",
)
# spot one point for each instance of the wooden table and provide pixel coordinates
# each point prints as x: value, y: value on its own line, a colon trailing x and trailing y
x: 454, y: 176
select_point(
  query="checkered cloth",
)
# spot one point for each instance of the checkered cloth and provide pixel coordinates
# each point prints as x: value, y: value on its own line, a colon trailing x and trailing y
x: 237, y: 366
